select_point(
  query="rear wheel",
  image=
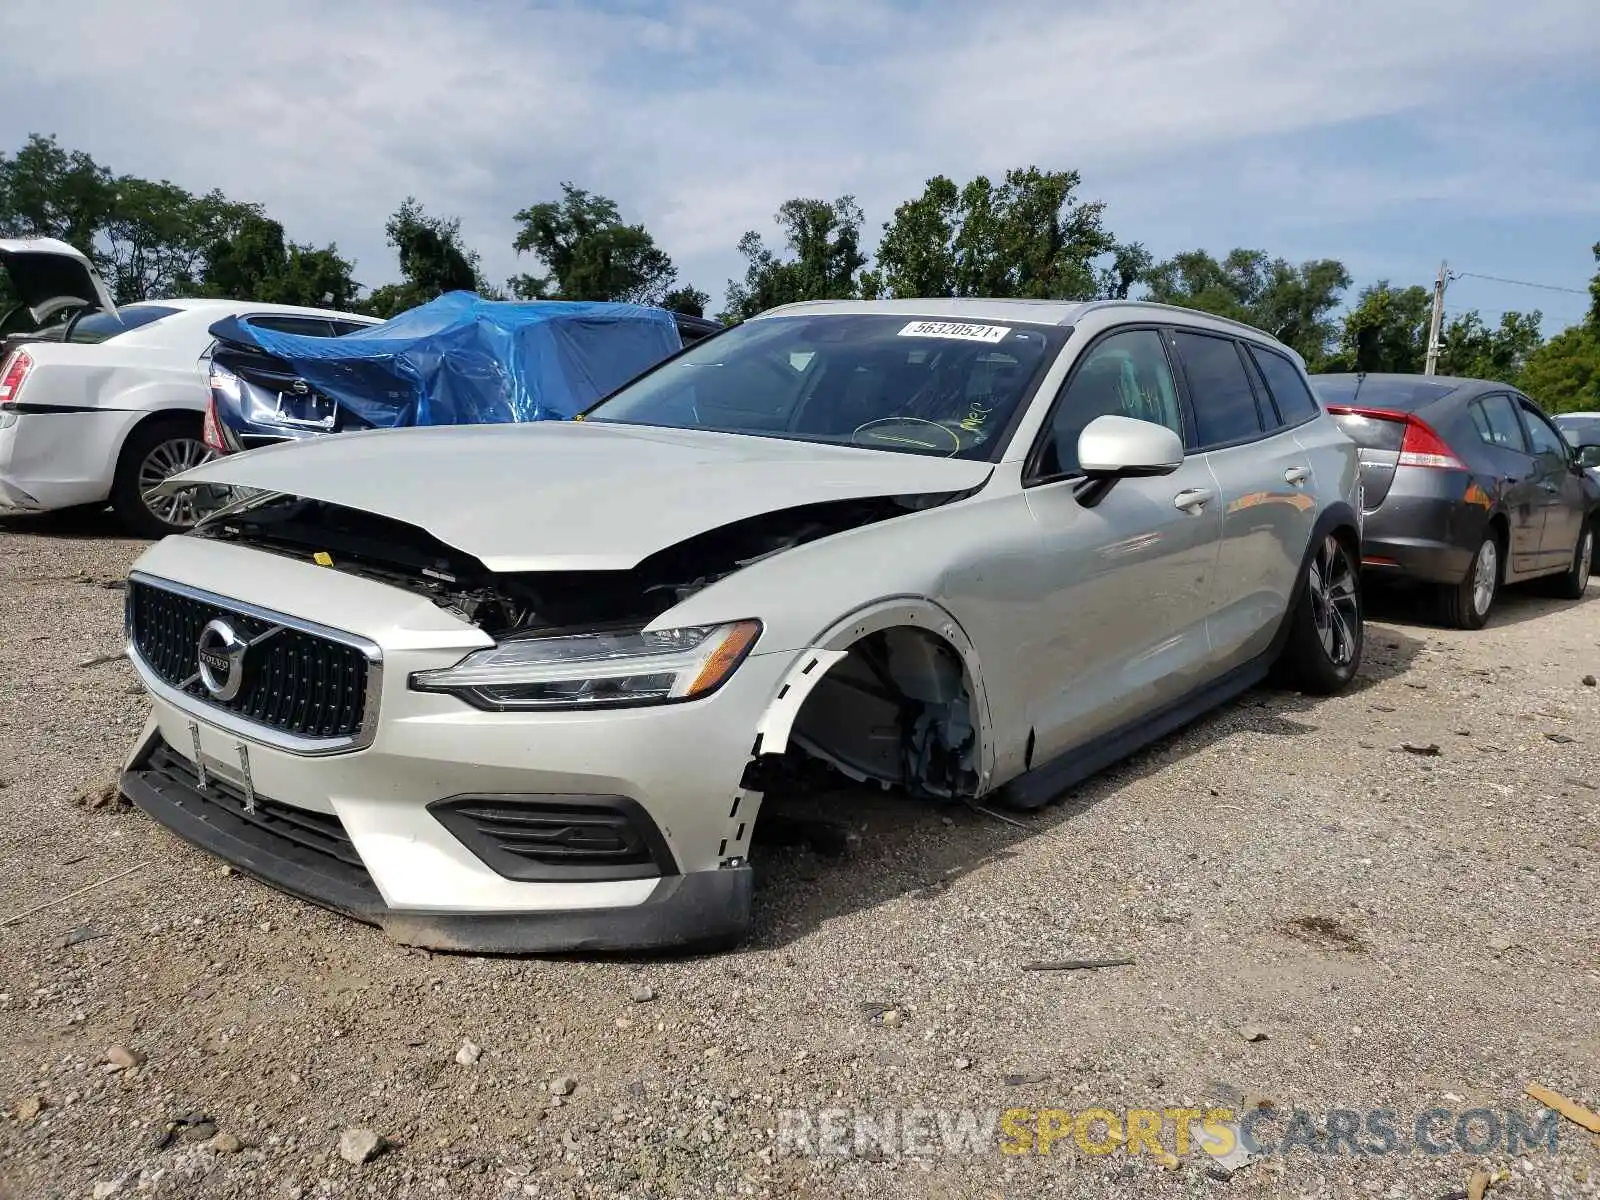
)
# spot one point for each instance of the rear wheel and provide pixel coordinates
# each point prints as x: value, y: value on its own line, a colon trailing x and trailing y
x: 1574, y: 581
x: 1324, y: 648
x: 1466, y: 605
x: 153, y: 453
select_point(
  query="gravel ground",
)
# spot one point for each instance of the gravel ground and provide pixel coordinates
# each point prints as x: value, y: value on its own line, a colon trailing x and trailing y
x: 1317, y: 917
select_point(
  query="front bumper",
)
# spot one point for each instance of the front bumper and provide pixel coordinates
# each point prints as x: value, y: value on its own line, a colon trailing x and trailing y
x: 401, y: 860
x: 309, y: 855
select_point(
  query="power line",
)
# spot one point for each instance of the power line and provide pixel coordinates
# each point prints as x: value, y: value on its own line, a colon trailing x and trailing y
x: 1548, y: 287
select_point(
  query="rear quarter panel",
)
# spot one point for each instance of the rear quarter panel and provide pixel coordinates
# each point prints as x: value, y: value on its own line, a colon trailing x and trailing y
x: 108, y: 398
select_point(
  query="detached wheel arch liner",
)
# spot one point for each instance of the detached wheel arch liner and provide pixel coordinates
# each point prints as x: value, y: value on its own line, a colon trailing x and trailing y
x: 833, y: 645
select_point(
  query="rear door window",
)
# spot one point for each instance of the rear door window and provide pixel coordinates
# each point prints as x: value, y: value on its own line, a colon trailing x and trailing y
x: 102, y: 326
x: 1287, y: 385
x: 1495, y: 418
x: 1224, y: 403
x: 303, y: 326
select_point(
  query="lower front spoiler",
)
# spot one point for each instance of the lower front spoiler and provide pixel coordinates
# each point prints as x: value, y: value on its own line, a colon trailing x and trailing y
x: 309, y: 856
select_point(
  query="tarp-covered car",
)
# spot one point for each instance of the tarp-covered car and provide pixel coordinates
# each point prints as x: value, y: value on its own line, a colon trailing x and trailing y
x: 458, y: 360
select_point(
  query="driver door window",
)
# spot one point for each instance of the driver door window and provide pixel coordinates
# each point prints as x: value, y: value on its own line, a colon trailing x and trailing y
x: 1123, y: 375
x: 1543, y: 437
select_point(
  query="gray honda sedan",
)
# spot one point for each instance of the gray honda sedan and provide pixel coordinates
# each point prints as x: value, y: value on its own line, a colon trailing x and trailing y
x: 1468, y: 486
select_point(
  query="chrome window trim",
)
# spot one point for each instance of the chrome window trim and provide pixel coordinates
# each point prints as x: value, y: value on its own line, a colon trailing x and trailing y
x: 241, y: 726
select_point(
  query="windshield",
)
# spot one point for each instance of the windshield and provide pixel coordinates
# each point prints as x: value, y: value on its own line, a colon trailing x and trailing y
x: 916, y: 386
x: 1580, y: 430
x: 1398, y: 393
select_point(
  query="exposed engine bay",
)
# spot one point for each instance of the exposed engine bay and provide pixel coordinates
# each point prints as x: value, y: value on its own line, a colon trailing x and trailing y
x: 534, y: 603
x: 896, y: 710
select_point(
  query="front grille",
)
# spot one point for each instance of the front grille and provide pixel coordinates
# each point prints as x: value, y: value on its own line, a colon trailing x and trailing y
x: 542, y: 838
x: 295, y: 681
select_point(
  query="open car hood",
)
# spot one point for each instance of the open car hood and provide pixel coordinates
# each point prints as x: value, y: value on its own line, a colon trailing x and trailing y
x: 48, y: 275
x: 573, y: 496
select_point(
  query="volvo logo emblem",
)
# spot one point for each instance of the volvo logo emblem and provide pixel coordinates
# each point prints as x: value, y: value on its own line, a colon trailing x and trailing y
x: 221, y: 656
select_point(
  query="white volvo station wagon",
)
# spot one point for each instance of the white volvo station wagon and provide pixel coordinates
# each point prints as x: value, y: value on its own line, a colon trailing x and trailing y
x: 521, y: 688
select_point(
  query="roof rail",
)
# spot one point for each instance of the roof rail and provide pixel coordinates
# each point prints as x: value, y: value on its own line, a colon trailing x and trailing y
x: 1093, y: 305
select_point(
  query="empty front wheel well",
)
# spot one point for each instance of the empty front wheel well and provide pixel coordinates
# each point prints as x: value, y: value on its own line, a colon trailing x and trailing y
x: 897, y: 708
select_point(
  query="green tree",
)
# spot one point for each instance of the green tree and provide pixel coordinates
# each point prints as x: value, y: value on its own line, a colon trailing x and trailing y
x: 1130, y: 264
x: 591, y: 254
x: 157, y: 236
x: 1563, y: 375
x: 433, y: 261
x: 1027, y: 236
x: 825, y: 241
x: 1387, y: 330
x: 1294, y: 304
x: 687, y: 300
x: 257, y: 262
x: 46, y: 191
x: 1472, y: 350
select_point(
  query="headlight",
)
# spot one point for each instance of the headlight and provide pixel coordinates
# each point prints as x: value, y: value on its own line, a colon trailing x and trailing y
x: 597, y: 670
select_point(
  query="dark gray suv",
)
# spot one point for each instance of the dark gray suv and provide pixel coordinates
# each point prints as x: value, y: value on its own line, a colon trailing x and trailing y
x: 1468, y: 486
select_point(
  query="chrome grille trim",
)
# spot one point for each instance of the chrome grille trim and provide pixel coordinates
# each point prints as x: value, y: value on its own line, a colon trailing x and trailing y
x: 232, y: 722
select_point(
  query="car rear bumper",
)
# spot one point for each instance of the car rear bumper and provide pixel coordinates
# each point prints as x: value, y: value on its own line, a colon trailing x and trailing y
x: 1431, y: 538
x: 52, y: 460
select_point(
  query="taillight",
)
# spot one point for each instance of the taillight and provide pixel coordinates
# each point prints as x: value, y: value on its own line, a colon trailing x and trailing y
x: 1425, y: 448
x: 1418, y: 444
x: 212, y: 430
x: 12, y: 377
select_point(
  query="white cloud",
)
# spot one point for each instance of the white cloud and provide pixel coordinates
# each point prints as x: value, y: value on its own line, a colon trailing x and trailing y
x: 699, y: 118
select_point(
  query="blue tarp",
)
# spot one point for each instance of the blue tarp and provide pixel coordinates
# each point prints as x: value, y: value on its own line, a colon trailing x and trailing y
x: 462, y: 360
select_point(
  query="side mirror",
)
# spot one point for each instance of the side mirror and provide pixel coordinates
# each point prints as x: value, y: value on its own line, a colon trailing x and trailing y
x: 1112, y: 447
x: 1588, y: 455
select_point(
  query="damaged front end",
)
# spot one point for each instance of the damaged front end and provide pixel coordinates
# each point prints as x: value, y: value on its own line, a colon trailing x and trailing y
x: 897, y: 709
x: 509, y: 605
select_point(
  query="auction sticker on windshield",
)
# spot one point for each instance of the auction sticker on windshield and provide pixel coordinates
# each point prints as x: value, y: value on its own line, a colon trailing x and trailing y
x: 956, y: 330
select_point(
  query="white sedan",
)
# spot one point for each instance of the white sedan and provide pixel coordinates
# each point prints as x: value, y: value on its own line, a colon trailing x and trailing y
x: 102, y: 406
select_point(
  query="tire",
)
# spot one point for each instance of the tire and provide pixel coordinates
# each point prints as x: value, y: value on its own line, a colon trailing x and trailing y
x: 1574, y: 581
x: 1323, y: 652
x: 154, y: 451
x: 1467, y: 605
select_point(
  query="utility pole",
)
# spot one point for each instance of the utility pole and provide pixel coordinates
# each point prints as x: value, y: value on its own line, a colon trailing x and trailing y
x: 1438, y: 318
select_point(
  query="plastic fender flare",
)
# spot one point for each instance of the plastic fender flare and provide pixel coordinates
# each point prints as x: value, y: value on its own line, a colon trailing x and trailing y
x: 813, y: 662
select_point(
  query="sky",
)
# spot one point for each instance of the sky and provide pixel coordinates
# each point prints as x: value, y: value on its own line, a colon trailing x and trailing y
x: 1389, y: 134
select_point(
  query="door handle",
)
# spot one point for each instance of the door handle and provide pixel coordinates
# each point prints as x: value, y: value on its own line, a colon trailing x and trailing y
x: 1193, y: 499
x: 1296, y: 475
x: 1548, y: 487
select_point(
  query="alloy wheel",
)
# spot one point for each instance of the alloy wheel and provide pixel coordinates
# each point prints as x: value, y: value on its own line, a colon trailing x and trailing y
x: 166, y: 459
x: 1585, y: 558
x: 1335, y: 602
x: 1485, y: 577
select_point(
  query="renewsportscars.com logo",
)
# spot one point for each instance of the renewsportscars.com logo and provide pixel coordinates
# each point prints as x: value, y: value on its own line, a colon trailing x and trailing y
x: 1164, y: 1133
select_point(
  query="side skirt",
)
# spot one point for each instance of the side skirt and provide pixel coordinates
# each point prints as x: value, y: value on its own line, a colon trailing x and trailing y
x: 1047, y: 781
